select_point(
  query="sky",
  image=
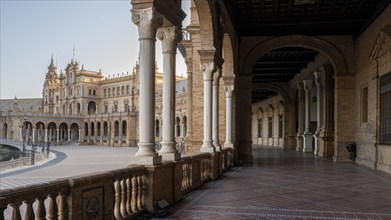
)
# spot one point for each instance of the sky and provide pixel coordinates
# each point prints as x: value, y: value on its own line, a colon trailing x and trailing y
x: 102, y: 33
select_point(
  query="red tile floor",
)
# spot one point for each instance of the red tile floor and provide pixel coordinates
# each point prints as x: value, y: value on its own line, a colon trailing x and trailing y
x: 285, y: 184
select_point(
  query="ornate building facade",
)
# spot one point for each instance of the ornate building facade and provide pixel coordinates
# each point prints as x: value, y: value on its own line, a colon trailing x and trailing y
x: 83, y: 106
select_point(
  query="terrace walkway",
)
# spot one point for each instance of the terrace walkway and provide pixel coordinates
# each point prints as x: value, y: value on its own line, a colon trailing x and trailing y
x: 285, y: 184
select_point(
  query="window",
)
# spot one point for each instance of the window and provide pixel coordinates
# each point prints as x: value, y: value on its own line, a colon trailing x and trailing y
x: 385, y: 109
x: 89, y: 92
x: 109, y: 92
x: 106, y: 107
x: 270, y: 127
x: 127, y: 90
x: 280, y: 126
x: 93, y: 92
x: 118, y: 92
x: 105, y: 93
x: 113, y: 91
x: 123, y: 90
x: 57, y: 98
x: 364, y: 105
x: 260, y: 127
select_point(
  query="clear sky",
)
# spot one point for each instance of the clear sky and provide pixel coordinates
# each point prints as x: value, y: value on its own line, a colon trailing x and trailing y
x: 102, y: 33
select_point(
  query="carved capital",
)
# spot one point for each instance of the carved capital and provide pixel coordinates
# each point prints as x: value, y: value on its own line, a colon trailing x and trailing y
x: 216, y: 76
x: 170, y: 36
x: 147, y: 21
x: 228, y: 91
x: 307, y: 85
x: 208, y: 68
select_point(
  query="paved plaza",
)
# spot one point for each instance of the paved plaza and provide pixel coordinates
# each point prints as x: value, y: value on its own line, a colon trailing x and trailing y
x: 70, y: 160
x: 282, y: 184
x: 285, y: 184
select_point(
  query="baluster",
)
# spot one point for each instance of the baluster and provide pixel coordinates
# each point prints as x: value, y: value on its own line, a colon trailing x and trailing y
x: 117, y: 211
x: 129, y: 196
x: 62, y: 207
x: 15, y: 211
x: 123, y: 198
x: 52, y: 210
x: 40, y: 212
x: 29, y: 214
x: 134, y: 194
x: 140, y: 193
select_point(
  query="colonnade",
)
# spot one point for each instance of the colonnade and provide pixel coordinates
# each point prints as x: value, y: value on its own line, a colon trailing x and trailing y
x: 149, y: 23
x: 111, y: 133
x: 319, y: 140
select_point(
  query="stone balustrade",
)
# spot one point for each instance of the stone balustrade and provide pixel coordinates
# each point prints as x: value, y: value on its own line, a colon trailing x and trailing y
x: 117, y: 194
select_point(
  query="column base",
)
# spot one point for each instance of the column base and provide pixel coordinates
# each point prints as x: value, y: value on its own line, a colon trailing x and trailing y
x: 217, y: 147
x: 152, y: 160
x: 307, y: 142
x: 208, y: 147
x: 171, y: 156
x: 229, y: 145
x: 316, y: 139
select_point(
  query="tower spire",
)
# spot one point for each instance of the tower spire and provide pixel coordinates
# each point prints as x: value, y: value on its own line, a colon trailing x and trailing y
x: 51, y: 60
x: 73, y: 53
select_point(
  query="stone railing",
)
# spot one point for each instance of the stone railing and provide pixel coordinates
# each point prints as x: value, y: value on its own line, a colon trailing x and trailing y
x: 117, y: 194
x: 21, y: 161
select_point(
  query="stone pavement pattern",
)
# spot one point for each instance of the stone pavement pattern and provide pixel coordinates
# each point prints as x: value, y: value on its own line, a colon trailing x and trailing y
x: 284, y: 184
x: 71, y: 160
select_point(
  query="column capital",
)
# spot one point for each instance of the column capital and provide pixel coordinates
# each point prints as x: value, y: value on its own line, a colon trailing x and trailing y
x: 318, y: 77
x: 147, y: 21
x: 228, y: 90
x: 307, y: 85
x: 208, y: 68
x: 216, y: 76
x: 170, y: 36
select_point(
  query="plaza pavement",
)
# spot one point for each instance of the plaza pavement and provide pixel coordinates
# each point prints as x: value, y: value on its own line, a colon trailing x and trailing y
x: 70, y: 160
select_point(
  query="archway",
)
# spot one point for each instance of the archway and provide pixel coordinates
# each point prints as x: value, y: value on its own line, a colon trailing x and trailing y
x: 91, y: 108
x: 177, y: 127
x: 92, y: 130
x: 157, y: 128
x: 184, y: 124
x: 40, y: 130
x: 124, y: 130
x: 98, y: 124
x: 86, y: 130
x: 64, y: 132
x: 52, y: 131
x: 74, y: 132
x: 105, y: 129
x: 5, y: 131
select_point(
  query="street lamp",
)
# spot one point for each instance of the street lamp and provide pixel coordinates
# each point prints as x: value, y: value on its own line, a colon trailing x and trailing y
x: 24, y: 134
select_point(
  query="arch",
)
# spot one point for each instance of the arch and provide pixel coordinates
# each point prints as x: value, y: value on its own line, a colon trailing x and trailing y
x: 91, y: 108
x: 92, y: 129
x: 314, y: 43
x: 52, y: 131
x: 105, y: 129
x: 74, y: 132
x: 124, y: 128
x: 40, y: 129
x: 116, y: 128
x: 275, y: 88
x: 98, y: 129
x: 227, y: 53
x: 207, y: 22
x: 85, y: 129
x: 63, y: 131
x: 5, y: 131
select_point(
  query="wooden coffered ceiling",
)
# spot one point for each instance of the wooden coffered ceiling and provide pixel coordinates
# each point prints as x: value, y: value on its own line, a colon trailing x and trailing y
x: 296, y: 17
x: 309, y: 17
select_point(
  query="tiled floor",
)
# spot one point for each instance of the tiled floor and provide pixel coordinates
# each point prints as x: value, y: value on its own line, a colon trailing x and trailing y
x: 285, y: 184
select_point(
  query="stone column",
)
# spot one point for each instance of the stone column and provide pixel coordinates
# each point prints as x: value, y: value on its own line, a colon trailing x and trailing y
x: 79, y: 134
x: 307, y: 136
x: 95, y: 132
x: 58, y: 135
x: 33, y: 139
x: 69, y: 135
x: 208, y: 68
x: 299, y: 137
x: 228, y: 117
x: 169, y: 37
x: 46, y: 135
x: 215, y: 113
x: 147, y: 21
x: 319, y: 100
x: 120, y: 133
x: 20, y: 134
